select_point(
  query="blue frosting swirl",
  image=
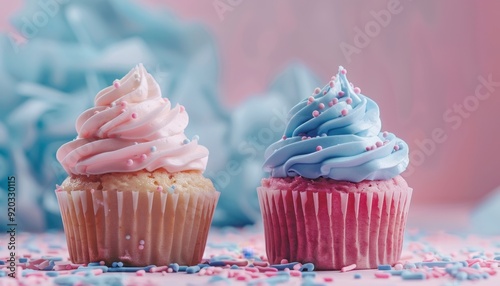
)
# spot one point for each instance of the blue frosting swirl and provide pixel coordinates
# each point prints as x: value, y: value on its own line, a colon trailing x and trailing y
x: 335, y: 133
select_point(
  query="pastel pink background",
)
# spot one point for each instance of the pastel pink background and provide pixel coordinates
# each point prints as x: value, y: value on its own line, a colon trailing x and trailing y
x: 426, y: 59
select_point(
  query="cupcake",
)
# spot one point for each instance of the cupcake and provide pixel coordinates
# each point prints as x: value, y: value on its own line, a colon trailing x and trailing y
x: 135, y: 192
x: 335, y: 196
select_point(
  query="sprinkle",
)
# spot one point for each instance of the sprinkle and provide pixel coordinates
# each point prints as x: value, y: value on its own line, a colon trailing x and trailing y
x: 319, y: 148
x: 323, y: 135
x: 348, y: 268
x: 334, y: 77
x: 332, y: 84
x: 382, y: 274
x: 159, y: 188
x: 130, y: 162
x: 193, y: 269
x: 153, y: 149
x: 344, y: 112
x: 92, y: 191
x: 357, y: 276
x: 284, y: 261
x: 317, y: 90
x: 379, y: 144
x: 171, y: 189
x: 341, y: 93
x: 186, y: 141
x: 304, y: 137
x: 144, y: 157
x: 181, y: 108
x: 344, y: 71
x: 116, y: 83
x: 321, y: 105
x: 315, y: 113
x: 396, y: 147
x: 408, y: 275
x: 141, y: 242
x: 330, y: 104
x: 134, y: 115
x: 307, y: 267
x: 123, y: 103
x: 141, y: 247
x: 348, y: 101
x: 195, y: 138
x: 127, y: 237
x: 335, y: 101
x: 122, y: 111
x: 284, y: 137
x: 384, y: 267
x: 328, y: 279
x: 140, y: 273
x: 368, y: 148
x: 325, y: 92
x: 385, y: 133
x: 398, y: 266
x: 310, y: 99
x: 357, y: 90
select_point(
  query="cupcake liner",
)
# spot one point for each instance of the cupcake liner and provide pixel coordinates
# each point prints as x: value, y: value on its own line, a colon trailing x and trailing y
x: 333, y: 229
x: 138, y: 228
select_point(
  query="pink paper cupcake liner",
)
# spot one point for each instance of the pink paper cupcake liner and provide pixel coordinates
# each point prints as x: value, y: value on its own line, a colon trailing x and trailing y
x: 332, y: 228
x: 138, y: 228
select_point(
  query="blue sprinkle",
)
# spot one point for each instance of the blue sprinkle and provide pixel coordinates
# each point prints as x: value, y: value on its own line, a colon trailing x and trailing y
x: 23, y: 260
x: 203, y: 265
x: 103, y: 268
x: 497, y: 258
x: 448, y: 259
x: 171, y: 189
x: 285, y: 273
x: 193, y: 269
x: 476, y: 265
x: 218, y: 278
x: 147, y: 268
x: 463, y: 263
x: 436, y: 264
x: 114, y: 264
x: 2, y: 262
x: 357, y: 276
x: 183, y: 268
x: 410, y: 266
x: 52, y: 273
x: 395, y: 272
x: 461, y: 276
x: 284, y: 266
x: 221, y: 257
x: 247, y: 252
x: 125, y: 269
x: 486, y: 275
x: 3, y: 273
x: 235, y: 267
x: 384, y: 267
x: 153, y: 149
x: 174, y: 266
x: 52, y: 258
x: 408, y: 275
x: 307, y: 267
x: 196, y: 138
x: 309, y: 274
x: 271, y: 281
x: 473, y: 277
x: 94, y: 264
x: 217, y: 263
x: 186, y: 141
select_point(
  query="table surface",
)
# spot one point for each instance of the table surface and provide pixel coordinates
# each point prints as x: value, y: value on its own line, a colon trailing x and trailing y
x: 247, y: 242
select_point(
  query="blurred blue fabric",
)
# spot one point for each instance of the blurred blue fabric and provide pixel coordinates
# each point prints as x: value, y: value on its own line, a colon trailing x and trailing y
x: 49, y: 80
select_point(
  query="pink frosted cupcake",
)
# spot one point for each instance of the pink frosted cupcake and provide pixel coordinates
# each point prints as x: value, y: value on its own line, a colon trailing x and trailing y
x: 335, y: 197
x: 135, y: 191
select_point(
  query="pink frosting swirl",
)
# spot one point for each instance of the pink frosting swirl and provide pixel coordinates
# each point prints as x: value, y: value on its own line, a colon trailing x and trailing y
x: 132, y: 128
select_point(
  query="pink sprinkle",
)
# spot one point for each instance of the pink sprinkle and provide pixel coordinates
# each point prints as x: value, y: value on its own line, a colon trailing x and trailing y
x: 368, y: 148
x: 159, y: 188
x: 344, y: 112
x: 102, y: 262
x: 319, y: 148
x: 140, y: 272
x: 308, y: 103
x: 134, y: 115
x: 295, y: 273
x: 328, y: 279
x: 315, y: 113
x: 297, y: 266
x: 142, y: 242
x: 116, y: 84
x: 123, y: 104
x: 144, y: 157
x: 379, y: 144
x: 170, y: 270
x: 332, y: 84
x: 330, y: 104
x: 335, y: 101
x: 325, y: 92
x: 348, y: 268
x: 357, y: 90
x: 130, y: 162
x: 202, y: 272
x: 396, y: 147
x: 283, y: 261
x: 344, y: 71
x: 398, y: 266
x: 122, y: 111
x: 385, y: 133
x: 310, y: 99
x: 317, y: 90
x: 270, y: 274
x: 92, y: 191
x: 284, y: 137
x: 181, y: 108
x: 348, y: 101
x: 141, y: 247
x: 381, y: 274
x: 321, y: 106
x: 334, y: 77
x: 304, y: 137
x: 341, y: 93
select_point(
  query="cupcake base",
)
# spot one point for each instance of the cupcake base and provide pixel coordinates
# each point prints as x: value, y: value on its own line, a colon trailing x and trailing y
x: 136, y: 227
x: 334, y: 223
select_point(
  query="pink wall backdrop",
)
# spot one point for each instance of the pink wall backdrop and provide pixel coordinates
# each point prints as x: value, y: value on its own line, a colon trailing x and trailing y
x: 426, y: 63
